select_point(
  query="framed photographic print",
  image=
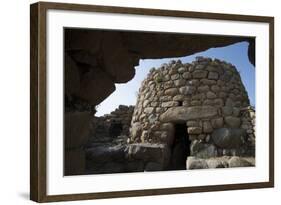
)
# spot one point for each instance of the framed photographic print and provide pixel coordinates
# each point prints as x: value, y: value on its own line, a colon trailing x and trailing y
x: 135, y: 102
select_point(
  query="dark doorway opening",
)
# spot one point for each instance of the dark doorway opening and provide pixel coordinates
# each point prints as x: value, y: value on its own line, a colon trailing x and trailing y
x: 180, y: 148
x: 115, y: 129
x: 180, y: 103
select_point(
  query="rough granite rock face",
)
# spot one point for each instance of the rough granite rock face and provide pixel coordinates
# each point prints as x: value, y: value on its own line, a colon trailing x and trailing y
x: 97, y: 59
x: 76, y: 131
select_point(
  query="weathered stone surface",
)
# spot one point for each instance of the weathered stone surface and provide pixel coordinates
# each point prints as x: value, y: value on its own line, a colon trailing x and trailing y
x: 178, y: 98
x: 167, y: 127
x: 170, y: 104
x: 171, y: 91
x: 227, y: 110
x: 106, y: 152
x: 175, y: 76
x: 215, y: 88
x: 199, y: 66
x: 203, y: 88
x: 95, y: 86
x: 194, y: 130
x: 217, y: 102
x: 229, y: 137
x: 211, y: 95
x: 77, y: 129
x: 186, y: 103
x: 158, y: 153
x: 187, y: 75
x: 195, y: 163
x: 199, y: 96
x: 180, y: 82
x: 217, y: 122
x: 239, y: 162
x: 72, y: 77
x: 229, y: 102
x: 207, y: 127
x: 193, y: 82
x: 187, y: 90
x: 192, y: 123
x: 117, y: 65
x: 188, y: 113
x: 144, y: 135
x: 145, y: 103
x: 165, y: 98
x: 218, y: 162
x: 213, y: 75
x: 182, y: 69
x: 236, y: 112
x: 168, y: 84
x: 199, y: 74
x: 203, y: 150
x: 233, y: 122
x: 154, y: 104
x: 136, y: 130
x: 214, y: 68
x: 167, y: 137
x: 208, y: 82
x: 74, y: 162
x: 195, y: 103
x: 149, y: 110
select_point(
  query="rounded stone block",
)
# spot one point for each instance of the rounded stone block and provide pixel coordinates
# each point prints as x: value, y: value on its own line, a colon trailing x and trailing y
x: 229, y: 137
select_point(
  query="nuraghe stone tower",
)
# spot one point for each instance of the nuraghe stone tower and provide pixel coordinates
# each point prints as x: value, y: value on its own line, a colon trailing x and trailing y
x: 198, y: 112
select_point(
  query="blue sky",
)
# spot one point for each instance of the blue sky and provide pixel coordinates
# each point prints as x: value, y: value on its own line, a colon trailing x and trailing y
x: 237, y: 54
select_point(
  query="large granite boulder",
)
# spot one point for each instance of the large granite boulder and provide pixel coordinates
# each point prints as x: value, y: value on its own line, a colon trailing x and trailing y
x: 240, y: 162
x: 228, y: 138
x: 202, y: 150
x: 75, y: 137
x: 146, y: 152
x: 196, y: 163
x: 95, y: 86
x: 233, y: 122
x: 100, y: 153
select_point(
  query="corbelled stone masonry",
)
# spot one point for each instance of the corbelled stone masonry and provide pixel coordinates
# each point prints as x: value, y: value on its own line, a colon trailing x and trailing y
x: 187, y: 116
x: 111, y: 125
x: 208, y: 97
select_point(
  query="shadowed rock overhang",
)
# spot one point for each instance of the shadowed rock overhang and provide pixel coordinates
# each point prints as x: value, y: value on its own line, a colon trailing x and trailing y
x: 97, y: 59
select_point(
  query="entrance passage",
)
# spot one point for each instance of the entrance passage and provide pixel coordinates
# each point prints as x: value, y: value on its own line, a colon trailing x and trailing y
x: 180, y: 148
x: 115, y: 129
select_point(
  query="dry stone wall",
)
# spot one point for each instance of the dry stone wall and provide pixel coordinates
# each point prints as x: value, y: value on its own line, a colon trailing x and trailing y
x: 207, y: 96
x: 112, y: 125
